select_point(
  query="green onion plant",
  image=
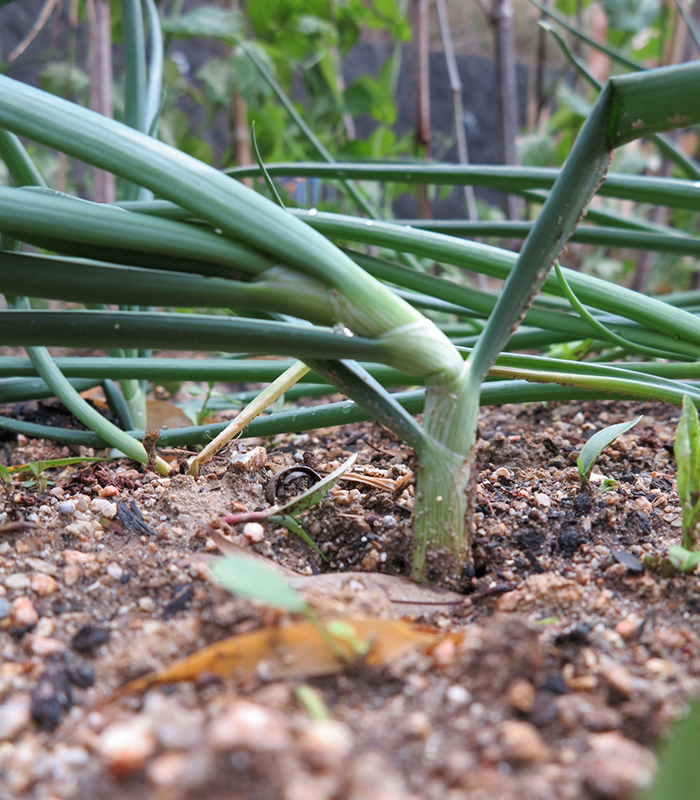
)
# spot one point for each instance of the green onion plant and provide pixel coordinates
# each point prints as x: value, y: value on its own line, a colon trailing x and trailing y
x: 211, y: 265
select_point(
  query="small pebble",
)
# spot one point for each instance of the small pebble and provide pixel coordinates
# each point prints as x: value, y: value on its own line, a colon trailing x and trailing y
x: 109, y: 491
x: 43, y: 584
x: 457, y: 695
x: 617, y: 768
x: 51, y: 697
x: 44, y: 646
x: 126, y: 746
x: 521, y: 695
x: 23, y: 614
x: 521, y: 743
x: 4, y: 607
x: 628, y: 626
x: 326, y: 744
x: 252, y: 461
x: 77, y: 557
x: 254, y: 531
x: 80, y: 673
x: 166, y: 771
x: 71, y: 575
x: 18, y: 582
x: 147, y: 604
x: 15, y: 716
x: 67, y: 508
x: 45, y: 627
x: 114, y: 571
x: 89, y: 637
x: 248, y: 726
x: 618, y: 678
x: 103, y: 507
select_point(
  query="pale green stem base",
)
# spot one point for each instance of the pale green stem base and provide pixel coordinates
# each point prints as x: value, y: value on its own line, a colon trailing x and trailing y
x: 135, y: 398
x: 443, y: 516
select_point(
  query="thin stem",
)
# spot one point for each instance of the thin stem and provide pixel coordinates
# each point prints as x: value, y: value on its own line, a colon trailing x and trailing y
x: 265, y: 398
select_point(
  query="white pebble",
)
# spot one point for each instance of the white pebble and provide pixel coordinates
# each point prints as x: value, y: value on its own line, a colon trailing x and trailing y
x: 114, y: 571
x: 254, y: 531
x: 126, y: 746
x: 251, y: 461
x: 18, y: 581
x: 103, y: 507
x: 15, y: 716
x: 67, y: 508
x: 248, y: 726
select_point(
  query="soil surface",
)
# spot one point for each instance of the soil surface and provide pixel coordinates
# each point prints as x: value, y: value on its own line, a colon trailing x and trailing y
x: 553, y: 678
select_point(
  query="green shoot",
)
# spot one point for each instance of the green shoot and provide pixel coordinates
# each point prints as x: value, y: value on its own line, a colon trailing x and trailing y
x: 682, y: 559
x: 202, y: 412
x: 595, y: 446
x: 312, y: 701
x: 248, y: 578
x: 678, y: 774
x: 686, y: 449
x: 292, y: 524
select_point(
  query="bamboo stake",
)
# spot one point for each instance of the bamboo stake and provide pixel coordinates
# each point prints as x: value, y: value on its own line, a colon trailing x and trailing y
x: 100, y: 58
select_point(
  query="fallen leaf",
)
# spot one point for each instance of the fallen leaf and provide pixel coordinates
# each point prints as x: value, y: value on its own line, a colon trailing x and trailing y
x: 161, y: 414
x: 302, y: 649
x: 407, y: 596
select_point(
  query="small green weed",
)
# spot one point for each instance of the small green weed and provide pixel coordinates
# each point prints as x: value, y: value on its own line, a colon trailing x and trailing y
x: 595, y: 446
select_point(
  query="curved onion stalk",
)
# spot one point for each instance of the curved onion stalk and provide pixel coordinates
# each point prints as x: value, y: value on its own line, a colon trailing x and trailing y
x: 356, y: 195
x: 70, y: 398
x: 672, y: 242
x: 495, y: 262
x: 24, y: 172
x: 689, y: 165
x: 154, y: 89
x: 673, y: 192
x: 342, y: 413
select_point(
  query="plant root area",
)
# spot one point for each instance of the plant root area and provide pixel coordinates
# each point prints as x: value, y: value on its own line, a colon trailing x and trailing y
x: 556, y: 676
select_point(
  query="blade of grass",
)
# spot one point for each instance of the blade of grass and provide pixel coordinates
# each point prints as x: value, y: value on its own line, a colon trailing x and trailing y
x: 613, y: 54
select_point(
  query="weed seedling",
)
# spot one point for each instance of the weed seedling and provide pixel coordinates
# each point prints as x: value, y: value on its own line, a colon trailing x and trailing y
x: 686, y: 449
x: 595, y: 446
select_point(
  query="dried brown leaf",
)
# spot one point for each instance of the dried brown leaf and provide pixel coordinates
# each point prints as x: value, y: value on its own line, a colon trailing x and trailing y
x: 297, y: 650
